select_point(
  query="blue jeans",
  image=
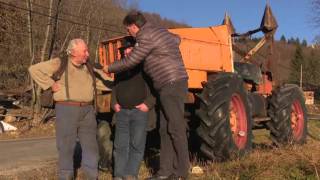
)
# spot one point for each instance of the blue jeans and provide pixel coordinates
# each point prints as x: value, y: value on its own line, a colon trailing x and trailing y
x: 130, y: 140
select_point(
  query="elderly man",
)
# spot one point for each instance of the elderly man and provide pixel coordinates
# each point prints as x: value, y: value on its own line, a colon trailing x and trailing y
x: 74, y: 96
x: 159, y: 49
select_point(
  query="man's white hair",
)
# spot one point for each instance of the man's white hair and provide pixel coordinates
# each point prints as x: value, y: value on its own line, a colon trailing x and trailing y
x: 72, y: 44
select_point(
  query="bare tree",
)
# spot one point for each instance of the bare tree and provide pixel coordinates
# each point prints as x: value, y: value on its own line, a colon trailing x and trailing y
x: 317, y: 41
x: 47, y: 34
x: 26, y: 22
x: 55, y: 26
x: 31, y: 53
x: 31, y: 49
x: 98, y: 41
x: 316, y: 11
x: 89, y: 19
x: 71, y: 29
x: 130, y: 5
x: 316, y: 18
x: 42, y: 58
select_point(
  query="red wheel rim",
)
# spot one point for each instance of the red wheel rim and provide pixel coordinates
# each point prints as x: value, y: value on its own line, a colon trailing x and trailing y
x: 297, y: 120
x: 238, y: 121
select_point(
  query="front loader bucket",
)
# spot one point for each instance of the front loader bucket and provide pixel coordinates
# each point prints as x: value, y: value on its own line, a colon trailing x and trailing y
x: 227, y: 21
x: 269, y: 22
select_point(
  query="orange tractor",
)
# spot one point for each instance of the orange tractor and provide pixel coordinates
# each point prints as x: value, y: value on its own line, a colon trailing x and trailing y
x: 231, y: 97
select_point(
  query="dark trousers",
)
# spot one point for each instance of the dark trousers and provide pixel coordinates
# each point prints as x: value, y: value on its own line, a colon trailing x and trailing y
x: 174, y: 154
x: 74, y: 122
x: 130, y: 140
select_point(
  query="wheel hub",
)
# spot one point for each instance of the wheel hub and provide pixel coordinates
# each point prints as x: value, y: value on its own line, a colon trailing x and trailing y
x: 297, y: 120
x: 238, y: 121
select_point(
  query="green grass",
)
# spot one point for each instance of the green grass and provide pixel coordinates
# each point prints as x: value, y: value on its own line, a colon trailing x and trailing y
x: 264, y: 162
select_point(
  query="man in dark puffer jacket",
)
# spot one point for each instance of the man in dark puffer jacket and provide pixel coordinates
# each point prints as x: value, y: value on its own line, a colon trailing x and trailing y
x: 163, y: 63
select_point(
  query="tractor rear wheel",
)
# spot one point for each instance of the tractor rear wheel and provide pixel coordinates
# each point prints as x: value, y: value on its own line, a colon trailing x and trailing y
x: 105, y: 145
x: 1, y: 128
x: 288, y: 114
x: 225, y: 118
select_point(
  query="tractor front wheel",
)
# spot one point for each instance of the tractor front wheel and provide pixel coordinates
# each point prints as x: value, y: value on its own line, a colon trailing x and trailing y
x: 288, y: 115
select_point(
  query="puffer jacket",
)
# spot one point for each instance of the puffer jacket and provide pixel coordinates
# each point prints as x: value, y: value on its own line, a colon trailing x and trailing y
x: 160, y: 50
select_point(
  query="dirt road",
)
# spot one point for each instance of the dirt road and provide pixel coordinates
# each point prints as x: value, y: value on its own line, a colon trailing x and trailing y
x: 24, y: 154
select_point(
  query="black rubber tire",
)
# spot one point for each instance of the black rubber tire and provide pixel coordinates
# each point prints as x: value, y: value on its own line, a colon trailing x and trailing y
x: 1, y: 128
x: 105, y: 144
x: 215, y: 129
x: 280, y: 111
x: 3, y: 111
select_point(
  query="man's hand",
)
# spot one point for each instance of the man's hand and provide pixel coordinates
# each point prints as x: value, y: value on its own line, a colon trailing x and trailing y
x: 105, y: 69
x: 117, y: 107
x: 97, y: 66
x: 55, y: 87
x: 143, y: 107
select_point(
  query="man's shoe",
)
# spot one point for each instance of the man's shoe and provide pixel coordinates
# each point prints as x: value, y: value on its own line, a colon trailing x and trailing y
x: 158, y: 177
x: 117, y: 178
x: 129, y: 177
x: 102, y: 168
x: 174, y: 177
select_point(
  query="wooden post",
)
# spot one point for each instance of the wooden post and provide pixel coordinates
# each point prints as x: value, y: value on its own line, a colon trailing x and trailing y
x: 301, y: 76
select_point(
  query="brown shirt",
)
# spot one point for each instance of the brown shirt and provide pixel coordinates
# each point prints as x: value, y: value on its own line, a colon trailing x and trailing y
x: 79, y: 80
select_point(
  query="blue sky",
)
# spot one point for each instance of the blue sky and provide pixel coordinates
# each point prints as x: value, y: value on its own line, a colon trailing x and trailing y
x: 293, y: 16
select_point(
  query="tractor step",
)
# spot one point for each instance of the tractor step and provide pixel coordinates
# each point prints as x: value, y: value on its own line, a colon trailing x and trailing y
x: 261, y: 119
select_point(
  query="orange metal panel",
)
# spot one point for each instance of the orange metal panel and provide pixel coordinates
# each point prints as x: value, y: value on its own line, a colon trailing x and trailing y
x: 195, y: 78
x: 207, y: 49
x: 266, y: 86
x: 101, y: 55
x: 203, y: 50
x: 112, y: 46
x: 111, y: 52
x: 118, y: 46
